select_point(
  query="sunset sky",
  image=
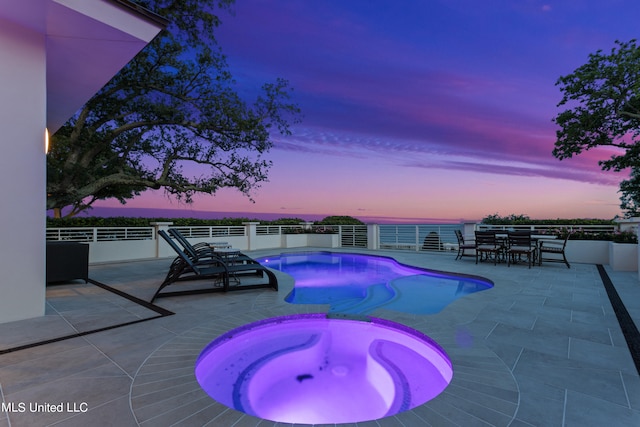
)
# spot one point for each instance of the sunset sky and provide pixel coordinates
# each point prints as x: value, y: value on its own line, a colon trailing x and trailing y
x: 420, y: 110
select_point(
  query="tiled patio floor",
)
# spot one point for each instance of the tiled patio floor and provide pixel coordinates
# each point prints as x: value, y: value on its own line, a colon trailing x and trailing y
x: 542, y: 348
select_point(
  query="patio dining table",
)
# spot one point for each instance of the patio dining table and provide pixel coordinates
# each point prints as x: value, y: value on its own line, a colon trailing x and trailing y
x: 535, y: 237
x: 503, y: 238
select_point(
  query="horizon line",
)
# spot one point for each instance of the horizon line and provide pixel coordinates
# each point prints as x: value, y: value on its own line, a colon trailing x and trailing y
x: 105, y: 211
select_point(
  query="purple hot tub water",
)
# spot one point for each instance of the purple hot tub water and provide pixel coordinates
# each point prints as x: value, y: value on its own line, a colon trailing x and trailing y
x: 314, y: 369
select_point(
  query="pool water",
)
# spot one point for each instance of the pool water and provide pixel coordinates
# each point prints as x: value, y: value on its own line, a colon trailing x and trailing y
x: 360, y: 284
x: 314, y: 369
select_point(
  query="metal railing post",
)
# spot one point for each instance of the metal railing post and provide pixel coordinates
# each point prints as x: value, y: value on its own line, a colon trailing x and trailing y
x: 373, y: 236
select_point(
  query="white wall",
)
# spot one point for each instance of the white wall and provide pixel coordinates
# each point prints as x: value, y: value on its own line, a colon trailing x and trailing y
x: 62, y: 44
x: 122, y: 250
x: 588, y: 251
x: 22, y: 172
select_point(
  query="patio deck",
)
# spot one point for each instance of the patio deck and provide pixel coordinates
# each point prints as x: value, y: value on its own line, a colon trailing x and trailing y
x: 542, y: 348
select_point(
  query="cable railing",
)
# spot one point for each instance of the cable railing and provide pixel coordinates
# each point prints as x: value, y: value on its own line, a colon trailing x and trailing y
x: 552, y: 228
x: 99, y: 234
x: 353, y: 236
x: 212, y: 231
x: 264, y: 230
x: 408, y: 237
x: 350, y: 235
x: 420, y: 237
x: 390, y: 236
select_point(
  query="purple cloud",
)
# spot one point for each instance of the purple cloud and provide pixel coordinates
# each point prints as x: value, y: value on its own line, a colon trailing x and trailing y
x: 433, y: 85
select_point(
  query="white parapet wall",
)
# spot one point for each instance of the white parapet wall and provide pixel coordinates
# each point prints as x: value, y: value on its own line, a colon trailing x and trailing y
x: 323, y: 240
x: 588, y: 251
x: 119, y: 250
x: 623, y: 256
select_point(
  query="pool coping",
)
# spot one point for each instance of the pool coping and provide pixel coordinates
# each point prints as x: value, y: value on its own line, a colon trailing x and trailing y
x: 167, y: 376
x: 553, y: 328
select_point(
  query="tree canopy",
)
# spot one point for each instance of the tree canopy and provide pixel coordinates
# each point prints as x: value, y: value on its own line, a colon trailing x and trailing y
x: 602, y: 98
x: 171, y: 119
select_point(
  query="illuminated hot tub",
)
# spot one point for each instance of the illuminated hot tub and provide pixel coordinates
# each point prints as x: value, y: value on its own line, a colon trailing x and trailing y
x: 316, y: 370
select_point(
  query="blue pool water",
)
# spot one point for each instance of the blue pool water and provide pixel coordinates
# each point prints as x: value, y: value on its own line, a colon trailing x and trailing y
x: 360, y: 284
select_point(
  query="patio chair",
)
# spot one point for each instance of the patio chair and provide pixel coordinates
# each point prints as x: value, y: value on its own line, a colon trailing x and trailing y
x: 214, y: 268
x: 464, y: 245
x: 519, y: 244
x: 203, y: 250
x: 488, y: 246
x: 554, y: 248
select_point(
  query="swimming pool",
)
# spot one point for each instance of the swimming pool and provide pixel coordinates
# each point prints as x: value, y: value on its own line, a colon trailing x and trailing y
x: 314, y: 369
x: 359, y: 284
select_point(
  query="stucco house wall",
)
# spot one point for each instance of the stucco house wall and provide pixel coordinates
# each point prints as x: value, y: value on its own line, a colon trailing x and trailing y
x: 22, y: 171
x: 54, y: 55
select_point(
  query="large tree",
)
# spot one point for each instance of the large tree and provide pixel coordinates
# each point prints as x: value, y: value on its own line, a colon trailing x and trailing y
x: 171, y: 119
x: 602, y: 98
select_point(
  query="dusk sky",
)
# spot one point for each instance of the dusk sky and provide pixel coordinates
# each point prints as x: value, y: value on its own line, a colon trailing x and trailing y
x: 421, y: 110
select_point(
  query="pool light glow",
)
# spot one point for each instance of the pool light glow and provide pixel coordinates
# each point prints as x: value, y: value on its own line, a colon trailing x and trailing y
x: 313, y: 369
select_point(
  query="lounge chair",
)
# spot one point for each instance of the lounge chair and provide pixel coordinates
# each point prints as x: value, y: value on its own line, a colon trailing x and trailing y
x: 519, y: 244
x: 464, y: 245
x: 557, y: 249
x: 214, y: 268
x: 203, y: 250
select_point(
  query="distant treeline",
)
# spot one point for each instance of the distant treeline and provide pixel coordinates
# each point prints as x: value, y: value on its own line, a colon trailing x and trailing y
x: 121, y: 221
x: 514, y: 219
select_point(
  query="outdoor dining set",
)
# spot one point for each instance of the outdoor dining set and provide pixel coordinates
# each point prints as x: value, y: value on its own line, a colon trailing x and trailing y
x: 510, y: 247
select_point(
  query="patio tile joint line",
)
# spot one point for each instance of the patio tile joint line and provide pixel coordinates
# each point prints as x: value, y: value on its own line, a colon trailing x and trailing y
x: 629, y: 328
x: 162, y: 312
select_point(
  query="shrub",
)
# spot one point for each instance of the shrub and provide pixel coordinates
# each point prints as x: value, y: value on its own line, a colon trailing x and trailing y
x: 120, y: 221
x: 514, y: 219
x: 310, y: 230
x: 340, y: 220
x: 561, y: 233
x: 618, y: 236
x: 625, y: 237
x: 92, y: 221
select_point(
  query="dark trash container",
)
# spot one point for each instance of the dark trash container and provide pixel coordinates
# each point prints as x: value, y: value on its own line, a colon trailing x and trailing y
x: 67, y: 261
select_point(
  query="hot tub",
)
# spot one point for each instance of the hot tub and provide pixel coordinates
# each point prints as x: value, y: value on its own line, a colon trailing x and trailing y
x: 314, y: 369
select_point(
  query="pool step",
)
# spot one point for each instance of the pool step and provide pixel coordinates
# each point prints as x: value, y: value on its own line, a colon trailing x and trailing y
x: 349, y: 316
